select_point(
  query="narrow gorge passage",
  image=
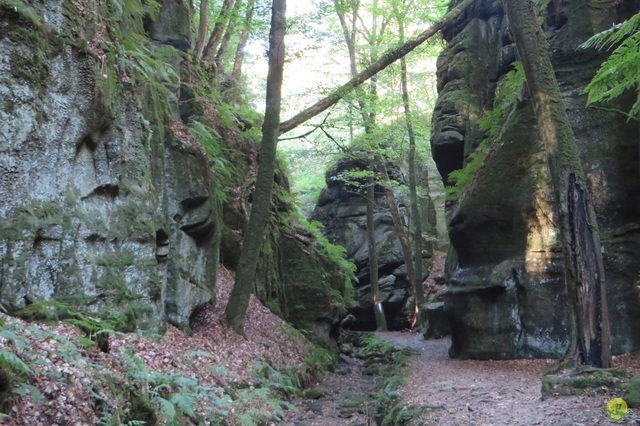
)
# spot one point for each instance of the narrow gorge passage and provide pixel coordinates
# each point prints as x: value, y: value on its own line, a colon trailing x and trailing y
x: 347, y: 398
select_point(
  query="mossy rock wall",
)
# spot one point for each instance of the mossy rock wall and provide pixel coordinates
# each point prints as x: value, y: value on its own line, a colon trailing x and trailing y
x: 506, y: 297
x: 304, y: 286
x: 101, y: 206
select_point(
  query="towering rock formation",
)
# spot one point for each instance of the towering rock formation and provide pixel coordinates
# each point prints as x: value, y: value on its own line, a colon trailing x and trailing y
x: 342, y: 209
x: 506, y: 297
x: 108, y: 204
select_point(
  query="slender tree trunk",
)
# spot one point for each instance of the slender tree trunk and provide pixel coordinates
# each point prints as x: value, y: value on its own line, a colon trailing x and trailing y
x: 398, y: 226
x: 224, y: 44
x: 584, y: 270
x: 416, y: 218
x: 218, y: 29
x: 350, y: 40
x: 381, y: 321
x: 261, y: 207
x: 384, y: 61
x: 203, y: 28
x: 242, y: 43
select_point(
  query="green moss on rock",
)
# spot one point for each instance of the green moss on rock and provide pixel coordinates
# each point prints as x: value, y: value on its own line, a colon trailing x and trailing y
x: 632, y: 394
x: 584, y: 379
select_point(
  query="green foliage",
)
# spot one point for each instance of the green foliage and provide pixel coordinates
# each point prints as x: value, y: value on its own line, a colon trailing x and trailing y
x: 508, y: 92
x: 620, y: 73
x: 210, y: 141
x: 336, y: 254
x: 30, y: 218
x: 390, y: 410
x: 258, y: 406
x: 172, y: 397
x: 318, y: 360
x: 10, y: 363
x: 23, y: 9
x: 45, y: 311
x: 370, y: 344
x: 283, y: 383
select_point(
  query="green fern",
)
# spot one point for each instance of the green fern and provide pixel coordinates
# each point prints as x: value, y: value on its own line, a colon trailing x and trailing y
x: 12, y: 363
x: 167, y: 409
x: 620, y: 73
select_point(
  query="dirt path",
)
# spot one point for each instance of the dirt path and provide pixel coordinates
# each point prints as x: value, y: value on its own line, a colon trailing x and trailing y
x: 347, y: 398
x: 457, y: 392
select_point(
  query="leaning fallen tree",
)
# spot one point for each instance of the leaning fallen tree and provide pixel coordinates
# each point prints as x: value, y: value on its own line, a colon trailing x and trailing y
x: 385, y: 60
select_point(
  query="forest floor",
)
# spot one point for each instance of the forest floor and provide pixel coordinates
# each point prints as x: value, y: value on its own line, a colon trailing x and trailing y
x: 70, y: 380
x: 451, y: 392
x: 448, y: 392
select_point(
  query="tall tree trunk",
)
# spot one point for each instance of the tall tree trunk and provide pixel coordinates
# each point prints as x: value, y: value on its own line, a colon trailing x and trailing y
x: 416, y: 218
x: 203, y: 28
x: 398, y: 226
x: 224, y: 44
x: 261, y: 207
x: 218, y: 29
x: 381, y: 321
x: 384, y: 61
x: 584, y: 270
x: 367, y: 122
x: 350, y: 39
x: 242, y: 43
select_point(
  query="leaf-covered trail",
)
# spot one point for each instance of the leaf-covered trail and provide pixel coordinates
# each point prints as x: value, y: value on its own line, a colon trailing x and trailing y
x: 347, y: 398
x: 469, y: 392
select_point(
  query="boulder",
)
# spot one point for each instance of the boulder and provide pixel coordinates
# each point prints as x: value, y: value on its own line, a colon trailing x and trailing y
x: 632, y: 393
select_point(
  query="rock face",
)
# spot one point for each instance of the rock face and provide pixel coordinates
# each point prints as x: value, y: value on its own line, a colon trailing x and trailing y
x: 342, y: 211
x: 96, y: 211
x: 106, y: 204
x: 506, y: 297
x: 311, y: 286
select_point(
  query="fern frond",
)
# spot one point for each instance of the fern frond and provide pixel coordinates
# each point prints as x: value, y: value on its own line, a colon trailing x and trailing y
x: 185, y: 402
x: 12, y: 363
x: 613, y: 36
x: 167, y: 409
x: 620, y: 73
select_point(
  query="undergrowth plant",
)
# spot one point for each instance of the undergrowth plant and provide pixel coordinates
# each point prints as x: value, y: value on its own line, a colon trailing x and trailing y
x: 171, y: 396
x: 620, y: 73
x: 267, y: 399
x: 338, y: 255
x: 390, y: 362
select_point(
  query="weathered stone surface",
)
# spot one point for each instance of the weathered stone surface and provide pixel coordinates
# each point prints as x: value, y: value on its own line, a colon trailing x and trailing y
x: 342, y: 211
x: 172, y: 26
x: 95, y: 210
x: 437, y: 321
x: 105, y: 207
x: 312, y: 286
x: 506, y: 297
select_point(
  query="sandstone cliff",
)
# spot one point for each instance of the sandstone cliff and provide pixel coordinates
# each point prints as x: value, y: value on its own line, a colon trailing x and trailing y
x: 506, y: 296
